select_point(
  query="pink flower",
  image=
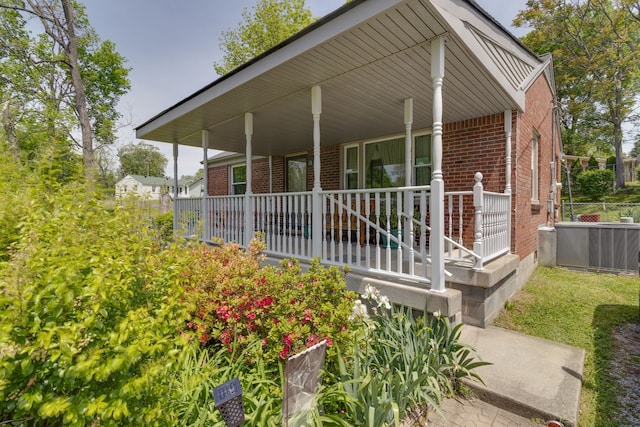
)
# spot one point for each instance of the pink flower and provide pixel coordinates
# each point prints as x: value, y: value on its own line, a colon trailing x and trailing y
x: 329, y: 341
x: 264, y: 341
x: 287, y: 340
x: 284, y: 353
x: 307, y: 315
x: 251, y: 315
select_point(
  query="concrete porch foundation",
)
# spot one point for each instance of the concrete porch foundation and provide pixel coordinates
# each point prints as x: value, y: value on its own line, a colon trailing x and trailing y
x: 474, y: 297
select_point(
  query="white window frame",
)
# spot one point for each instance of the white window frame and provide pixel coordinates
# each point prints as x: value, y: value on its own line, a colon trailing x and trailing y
x: 232, y: 183
x: 535, y: 166
x: 414, y: 176
x: 361, y: 158
x: 358, y: 165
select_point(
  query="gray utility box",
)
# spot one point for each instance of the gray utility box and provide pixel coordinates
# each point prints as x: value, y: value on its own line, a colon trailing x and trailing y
x: 608, y: 246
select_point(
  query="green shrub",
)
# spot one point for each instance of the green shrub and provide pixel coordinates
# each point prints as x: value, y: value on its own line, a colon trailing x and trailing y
x: 200, y: 370
x: 90, y: 315
x: 237, y: 301
x: 164, y: 227
x: 384, y: 384
x: 596, y: 183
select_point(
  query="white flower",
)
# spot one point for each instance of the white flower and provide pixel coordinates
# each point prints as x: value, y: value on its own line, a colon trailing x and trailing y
x: 359, y: 311
x: 384, y: 301
x: 369, y: 292
x: 437, y: 314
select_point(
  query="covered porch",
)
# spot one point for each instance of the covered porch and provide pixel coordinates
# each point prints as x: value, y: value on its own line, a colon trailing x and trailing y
x: 372, y: 69
x: 382, y: 231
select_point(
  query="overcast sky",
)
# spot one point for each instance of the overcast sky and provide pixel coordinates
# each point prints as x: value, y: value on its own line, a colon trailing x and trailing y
x: 171, y: 46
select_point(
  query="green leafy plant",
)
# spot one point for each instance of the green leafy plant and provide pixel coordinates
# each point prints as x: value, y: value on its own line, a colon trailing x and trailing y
x: 596, y: 184
x: 238, y: 301
x: 90, y: 315
x: 384, y: 384
x: 200, y: 370
x: 164, y: 227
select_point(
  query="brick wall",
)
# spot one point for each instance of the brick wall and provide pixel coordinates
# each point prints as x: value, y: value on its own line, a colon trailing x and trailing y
x: 477, y: 145
x: 470, y: 146
x: 218, y: 180
x: 330, y: 168
x: 527, y: 215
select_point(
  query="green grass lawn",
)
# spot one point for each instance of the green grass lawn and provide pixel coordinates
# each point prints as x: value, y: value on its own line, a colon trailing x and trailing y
x: 580, y: 309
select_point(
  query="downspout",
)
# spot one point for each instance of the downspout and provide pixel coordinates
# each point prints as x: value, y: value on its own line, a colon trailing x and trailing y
x: 552, y: 194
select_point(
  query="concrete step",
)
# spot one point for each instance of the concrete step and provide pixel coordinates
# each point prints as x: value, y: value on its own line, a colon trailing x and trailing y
x: 529, y: 376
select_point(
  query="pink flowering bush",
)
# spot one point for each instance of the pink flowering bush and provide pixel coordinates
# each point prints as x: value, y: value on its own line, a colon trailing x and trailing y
x: 237, y: 301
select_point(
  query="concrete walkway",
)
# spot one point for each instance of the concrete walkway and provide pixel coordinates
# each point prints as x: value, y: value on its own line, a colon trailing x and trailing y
x: 531, y: 381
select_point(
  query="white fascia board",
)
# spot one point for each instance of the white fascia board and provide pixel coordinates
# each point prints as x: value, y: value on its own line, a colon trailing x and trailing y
x: 542, y: 68
x: 457, y: 21
x: 327, y: 31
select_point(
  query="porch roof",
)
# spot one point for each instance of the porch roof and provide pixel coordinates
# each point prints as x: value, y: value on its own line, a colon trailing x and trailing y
x: 368, y: 56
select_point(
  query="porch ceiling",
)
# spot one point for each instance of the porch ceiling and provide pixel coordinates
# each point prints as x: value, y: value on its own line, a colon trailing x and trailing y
x: 368, y: 56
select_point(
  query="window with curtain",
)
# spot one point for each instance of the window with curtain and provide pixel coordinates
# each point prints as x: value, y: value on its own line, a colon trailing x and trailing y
x: 296, y: 173
x: 384, y: 163
x: 422, y: 159
x: 351, y: 167
x: 238, y: 179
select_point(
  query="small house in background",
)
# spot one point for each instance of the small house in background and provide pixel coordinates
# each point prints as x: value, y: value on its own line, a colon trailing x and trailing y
x: 150, y: 187
x: 412, y: 140
x: 196, y: 188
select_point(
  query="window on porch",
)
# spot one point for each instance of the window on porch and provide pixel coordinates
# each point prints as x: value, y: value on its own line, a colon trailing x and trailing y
x: 384, y: 163
x: 296, y: 168
x: 238, y: 179
x: 422, y: 159
x: 351, y: 167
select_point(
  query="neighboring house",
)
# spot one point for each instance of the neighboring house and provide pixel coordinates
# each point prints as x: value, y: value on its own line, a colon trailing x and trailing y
x: 196, y: 188
x: 413, y: 140
x: 150, y: 186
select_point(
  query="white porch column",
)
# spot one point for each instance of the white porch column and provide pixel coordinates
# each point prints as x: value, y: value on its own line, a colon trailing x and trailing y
x: 316, y: 218
x: 206, y: 229
x: 437, y: 183
x: 408, y: 182
x: 248, y: 205
x: 175, y: 184
x: 507, y: 154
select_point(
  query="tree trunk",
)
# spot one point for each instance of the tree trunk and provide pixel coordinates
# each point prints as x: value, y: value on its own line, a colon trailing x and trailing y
x: 165, y: 202
x: 617, y: 135
x: 88, y: 156
x: 10, y: 131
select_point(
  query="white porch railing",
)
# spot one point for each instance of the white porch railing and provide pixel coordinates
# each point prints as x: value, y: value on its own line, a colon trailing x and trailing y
x: 382, y: 230
x: 285, y: 220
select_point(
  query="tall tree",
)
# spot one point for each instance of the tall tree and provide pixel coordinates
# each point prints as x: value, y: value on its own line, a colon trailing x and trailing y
x: 141, y: 159
x: 595, y: 46
x: 75, y: 70
x: 271, y: 22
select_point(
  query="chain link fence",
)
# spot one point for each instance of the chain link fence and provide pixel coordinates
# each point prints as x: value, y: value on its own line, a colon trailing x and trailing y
x: 600, y: 211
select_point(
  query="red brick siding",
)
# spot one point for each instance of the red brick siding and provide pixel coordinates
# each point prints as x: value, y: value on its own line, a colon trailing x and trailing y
x: 218, y: 182
x: 330, y: 168
x: 470, y: 146
x: 527, y: 217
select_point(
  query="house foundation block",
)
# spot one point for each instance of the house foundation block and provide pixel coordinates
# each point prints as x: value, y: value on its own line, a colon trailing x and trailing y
x: 411, y: 294
x: 484, y: 292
